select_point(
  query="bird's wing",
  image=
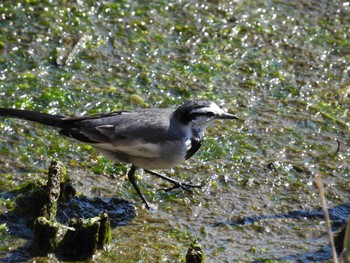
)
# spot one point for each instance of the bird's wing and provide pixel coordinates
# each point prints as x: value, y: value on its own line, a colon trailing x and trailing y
x: 130, y: 133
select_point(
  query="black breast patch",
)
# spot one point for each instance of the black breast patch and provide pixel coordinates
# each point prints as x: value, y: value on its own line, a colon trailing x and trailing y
x: 196, y: 143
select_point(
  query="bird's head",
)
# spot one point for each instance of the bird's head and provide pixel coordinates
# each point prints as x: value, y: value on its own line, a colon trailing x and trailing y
x: 199, y: 114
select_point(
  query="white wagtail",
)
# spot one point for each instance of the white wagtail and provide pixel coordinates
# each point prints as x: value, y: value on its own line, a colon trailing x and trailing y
x: 145, y: 138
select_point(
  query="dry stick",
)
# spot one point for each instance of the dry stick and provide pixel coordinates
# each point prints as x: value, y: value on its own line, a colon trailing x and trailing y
x: 319, y: 185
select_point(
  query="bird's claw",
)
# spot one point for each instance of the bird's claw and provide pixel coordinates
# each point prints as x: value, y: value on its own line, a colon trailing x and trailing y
x: 184, y: 186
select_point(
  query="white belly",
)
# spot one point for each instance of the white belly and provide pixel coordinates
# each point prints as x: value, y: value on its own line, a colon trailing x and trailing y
x: 148, y: 156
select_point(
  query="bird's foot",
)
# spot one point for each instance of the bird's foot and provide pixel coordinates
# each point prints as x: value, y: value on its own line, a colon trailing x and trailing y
x: 177, y: 184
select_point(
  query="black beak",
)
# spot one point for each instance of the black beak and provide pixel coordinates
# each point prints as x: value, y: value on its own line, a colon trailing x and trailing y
x: 227, y: 116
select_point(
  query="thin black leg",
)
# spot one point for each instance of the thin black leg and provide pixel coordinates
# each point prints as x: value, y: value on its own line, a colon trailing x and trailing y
x: 176, y: 183
x: 131, y: 176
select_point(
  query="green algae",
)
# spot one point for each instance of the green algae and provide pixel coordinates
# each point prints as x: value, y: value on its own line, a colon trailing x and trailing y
x: 281, y: 66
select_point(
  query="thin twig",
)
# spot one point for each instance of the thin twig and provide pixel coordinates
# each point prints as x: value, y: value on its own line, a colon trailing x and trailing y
x: 319, y: 185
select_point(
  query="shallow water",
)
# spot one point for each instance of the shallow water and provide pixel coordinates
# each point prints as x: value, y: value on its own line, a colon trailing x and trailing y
x: 282, y: 67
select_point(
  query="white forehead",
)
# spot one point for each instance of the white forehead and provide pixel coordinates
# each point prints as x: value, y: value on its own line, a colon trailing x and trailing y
x: 211, y: 108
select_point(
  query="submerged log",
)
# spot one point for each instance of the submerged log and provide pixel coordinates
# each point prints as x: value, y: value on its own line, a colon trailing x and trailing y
x: 85, y: 236
x: 56, y: 176
x: 195, y: 254
x: 45, y: 237
x: 46, y: 226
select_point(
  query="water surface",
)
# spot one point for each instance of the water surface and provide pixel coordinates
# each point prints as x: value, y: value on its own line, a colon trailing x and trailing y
x: 282, y: 66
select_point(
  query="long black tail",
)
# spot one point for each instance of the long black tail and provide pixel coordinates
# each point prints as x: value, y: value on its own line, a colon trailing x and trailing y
x: 48, y: 119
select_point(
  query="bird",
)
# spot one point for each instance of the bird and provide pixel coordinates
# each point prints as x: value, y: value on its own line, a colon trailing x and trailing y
x: 148, y: 139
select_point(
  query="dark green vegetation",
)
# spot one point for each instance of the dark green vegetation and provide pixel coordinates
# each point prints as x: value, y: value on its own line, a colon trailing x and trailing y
x: 282, y: 66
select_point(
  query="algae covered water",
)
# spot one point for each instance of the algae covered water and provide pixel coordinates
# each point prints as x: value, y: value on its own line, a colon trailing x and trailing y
x: 281, y: 66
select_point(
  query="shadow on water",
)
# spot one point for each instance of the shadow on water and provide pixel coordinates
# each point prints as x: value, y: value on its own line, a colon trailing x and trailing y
x: 338, y: 216
x: 20, y: 221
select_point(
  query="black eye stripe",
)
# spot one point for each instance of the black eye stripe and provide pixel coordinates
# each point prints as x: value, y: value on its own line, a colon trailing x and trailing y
x: 197, y: 114
x: 192, y: 110
x: 210, y: 114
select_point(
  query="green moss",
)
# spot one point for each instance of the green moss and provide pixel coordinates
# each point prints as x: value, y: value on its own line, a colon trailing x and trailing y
x: 282, y: 70
x: 28, y: 187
